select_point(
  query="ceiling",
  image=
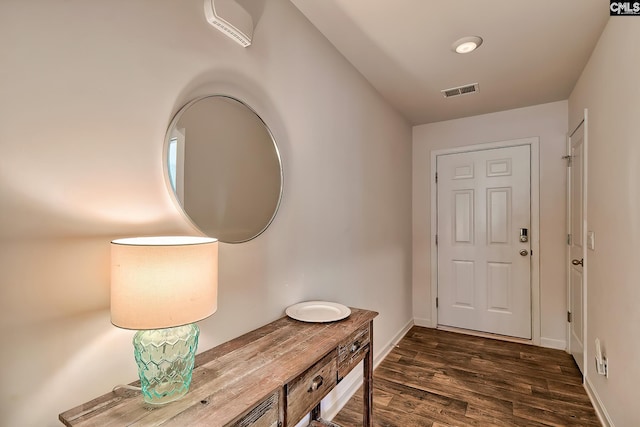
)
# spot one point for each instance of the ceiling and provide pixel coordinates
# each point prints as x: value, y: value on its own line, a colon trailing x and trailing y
x: 533, y: 51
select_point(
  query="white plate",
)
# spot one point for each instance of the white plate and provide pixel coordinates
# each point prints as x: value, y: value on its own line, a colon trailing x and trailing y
x: 318, y: 311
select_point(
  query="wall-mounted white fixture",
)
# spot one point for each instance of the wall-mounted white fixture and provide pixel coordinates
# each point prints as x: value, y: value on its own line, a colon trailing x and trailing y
x: 466, y: 44
x: 602, y: 366
x: 230, y: 18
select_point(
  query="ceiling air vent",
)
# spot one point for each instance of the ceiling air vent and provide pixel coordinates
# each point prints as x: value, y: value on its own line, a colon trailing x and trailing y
x: 460, y: 90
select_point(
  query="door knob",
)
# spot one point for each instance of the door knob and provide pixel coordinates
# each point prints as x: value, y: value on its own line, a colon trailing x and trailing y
x: 577, y: 262
x: 524, y: 252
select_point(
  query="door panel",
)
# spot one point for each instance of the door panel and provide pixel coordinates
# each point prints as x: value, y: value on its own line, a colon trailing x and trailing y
x: 499, y: 287
x: 463, y: 284
x: 463, y: 208
x: 576, y: 248
x: 483, y: 199
x: 499, y: 215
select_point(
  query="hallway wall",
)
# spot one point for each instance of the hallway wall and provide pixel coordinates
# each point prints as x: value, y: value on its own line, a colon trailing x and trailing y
x: 608, y: 89
x: 87, y: 91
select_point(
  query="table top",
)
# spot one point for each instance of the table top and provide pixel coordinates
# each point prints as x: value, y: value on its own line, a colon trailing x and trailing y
x: 229, y: 379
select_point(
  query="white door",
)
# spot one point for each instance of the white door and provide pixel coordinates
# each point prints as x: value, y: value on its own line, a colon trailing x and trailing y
x: 484, y: 269
x: 576, y: 246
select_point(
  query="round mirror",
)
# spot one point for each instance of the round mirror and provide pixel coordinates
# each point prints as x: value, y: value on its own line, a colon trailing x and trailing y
x: 224, y: 168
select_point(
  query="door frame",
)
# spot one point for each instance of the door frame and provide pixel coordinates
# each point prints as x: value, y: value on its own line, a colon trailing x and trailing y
x: 534, y: 143
x: 585, y: 145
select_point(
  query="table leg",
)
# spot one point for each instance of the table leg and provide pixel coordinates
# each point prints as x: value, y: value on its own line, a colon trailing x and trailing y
x: 367, y: 386
x: 315, y: 412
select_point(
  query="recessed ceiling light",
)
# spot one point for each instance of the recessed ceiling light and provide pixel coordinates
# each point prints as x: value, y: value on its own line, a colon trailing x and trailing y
x: 467, y: 44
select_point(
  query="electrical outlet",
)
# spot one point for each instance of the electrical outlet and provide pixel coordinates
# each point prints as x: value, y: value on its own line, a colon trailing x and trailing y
x: 602, y: 367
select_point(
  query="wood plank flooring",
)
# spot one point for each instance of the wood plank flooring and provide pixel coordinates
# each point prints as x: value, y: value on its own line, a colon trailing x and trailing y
x: 436, y: 379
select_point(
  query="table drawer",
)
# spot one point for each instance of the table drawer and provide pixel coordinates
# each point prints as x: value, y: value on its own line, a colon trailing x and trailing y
x: 264, y: 414
x: 306, y: 391
x: 352, y: 350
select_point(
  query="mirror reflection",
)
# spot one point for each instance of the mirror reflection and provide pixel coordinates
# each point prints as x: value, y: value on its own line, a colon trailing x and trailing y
x: 224, y: 168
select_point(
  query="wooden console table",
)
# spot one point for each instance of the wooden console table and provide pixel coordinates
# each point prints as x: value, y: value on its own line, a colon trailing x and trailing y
x: 270, y: 377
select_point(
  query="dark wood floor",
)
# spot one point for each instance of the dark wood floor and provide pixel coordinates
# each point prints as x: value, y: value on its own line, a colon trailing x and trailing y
x: 435, y: 378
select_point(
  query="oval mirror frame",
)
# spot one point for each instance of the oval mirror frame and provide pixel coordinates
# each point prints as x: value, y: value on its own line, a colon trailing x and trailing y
x: 227, y: 179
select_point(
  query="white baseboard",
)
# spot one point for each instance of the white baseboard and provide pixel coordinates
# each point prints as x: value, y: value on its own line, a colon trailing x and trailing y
x: 339, y: 396
x: 601, y: 411
x: 553, y: 343
x: 422, y: 322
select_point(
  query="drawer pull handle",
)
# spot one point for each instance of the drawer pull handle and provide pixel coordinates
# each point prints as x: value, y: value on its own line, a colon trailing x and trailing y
x: 355, y: 346
x: 317, y: 382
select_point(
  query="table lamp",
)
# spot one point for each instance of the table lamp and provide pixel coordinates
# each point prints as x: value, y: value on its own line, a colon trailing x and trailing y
x: 160, y: 286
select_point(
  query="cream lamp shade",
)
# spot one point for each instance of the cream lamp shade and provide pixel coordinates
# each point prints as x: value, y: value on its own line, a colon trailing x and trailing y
x: 163, y: 282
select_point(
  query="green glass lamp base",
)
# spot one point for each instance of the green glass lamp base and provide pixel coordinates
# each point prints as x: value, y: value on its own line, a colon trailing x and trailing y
x: 165, y: 359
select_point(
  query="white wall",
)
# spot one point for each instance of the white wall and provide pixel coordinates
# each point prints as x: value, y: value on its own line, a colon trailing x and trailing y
x: 549, y: 123
x: 609, y: 89
x: 87, y: 90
